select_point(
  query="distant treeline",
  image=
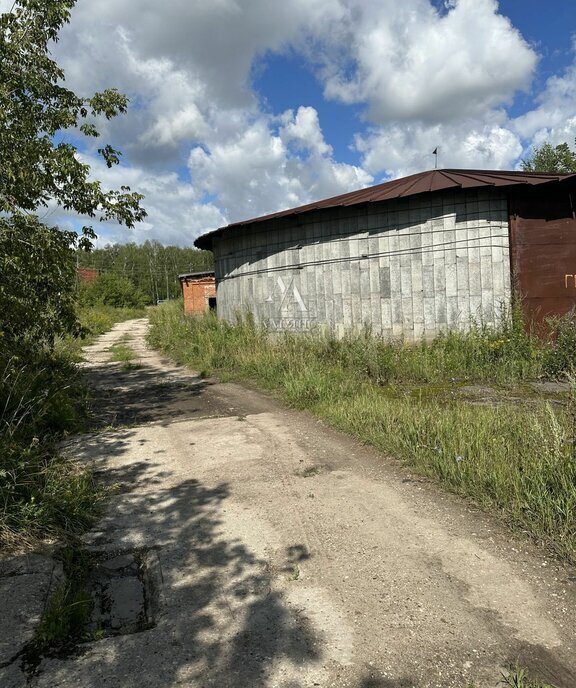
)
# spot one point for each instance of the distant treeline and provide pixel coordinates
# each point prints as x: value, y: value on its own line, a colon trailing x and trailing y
x: 151, y: 267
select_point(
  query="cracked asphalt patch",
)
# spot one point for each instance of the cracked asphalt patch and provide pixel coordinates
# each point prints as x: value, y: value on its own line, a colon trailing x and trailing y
x: 288, y: 555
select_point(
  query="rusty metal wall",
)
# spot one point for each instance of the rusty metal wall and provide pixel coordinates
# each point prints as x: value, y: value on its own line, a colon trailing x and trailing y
x: 543, y: 252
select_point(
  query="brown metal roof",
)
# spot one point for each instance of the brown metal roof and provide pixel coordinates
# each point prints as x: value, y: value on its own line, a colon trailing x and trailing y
x: 423, y: 182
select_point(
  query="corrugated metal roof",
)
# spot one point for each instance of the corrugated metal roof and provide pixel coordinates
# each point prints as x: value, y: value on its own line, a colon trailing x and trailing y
x: 423, y: 182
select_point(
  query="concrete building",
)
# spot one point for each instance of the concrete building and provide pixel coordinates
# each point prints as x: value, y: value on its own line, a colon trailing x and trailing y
x: 198, y: 291
x: 411, y: 258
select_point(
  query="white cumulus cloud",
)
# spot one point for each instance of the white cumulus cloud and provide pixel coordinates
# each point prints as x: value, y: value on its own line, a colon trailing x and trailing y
x: 255, y: 173
x: 407, y: 60
x: 553, y: 120
x: 199, y: 145
x: 398, y: 150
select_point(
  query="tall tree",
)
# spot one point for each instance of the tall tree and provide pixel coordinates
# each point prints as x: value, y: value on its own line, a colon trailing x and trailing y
x: 548, y: 158
x: 38, y: 168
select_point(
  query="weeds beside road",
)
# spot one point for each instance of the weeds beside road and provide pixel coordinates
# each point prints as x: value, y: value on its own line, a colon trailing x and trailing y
x: 43, y: 399
x: 402, y: 590
x: 517, y: 459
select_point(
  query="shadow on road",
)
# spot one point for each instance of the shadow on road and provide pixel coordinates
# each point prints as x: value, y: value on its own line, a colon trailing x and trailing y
x: 135, y: 395
x: 222, y: 622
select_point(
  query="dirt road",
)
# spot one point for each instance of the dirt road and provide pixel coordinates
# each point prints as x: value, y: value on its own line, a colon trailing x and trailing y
x: 279, y: 553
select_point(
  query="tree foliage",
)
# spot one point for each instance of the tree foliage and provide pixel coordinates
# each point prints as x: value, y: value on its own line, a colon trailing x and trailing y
x: 37, y: 269
x: 39, y: 395
x: 111, y: 290
x: 548, y: 158
x: 151, y: 267
x: 35, y: 108
x: 39, y: 168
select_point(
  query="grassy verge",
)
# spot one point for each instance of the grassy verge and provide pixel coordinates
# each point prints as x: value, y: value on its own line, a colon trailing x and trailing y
x: 43, y: 399
x: 519, y: 460
x: 41, y: 493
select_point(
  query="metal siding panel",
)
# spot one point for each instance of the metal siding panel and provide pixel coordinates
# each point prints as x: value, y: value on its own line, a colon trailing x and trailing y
x: 544, y: 258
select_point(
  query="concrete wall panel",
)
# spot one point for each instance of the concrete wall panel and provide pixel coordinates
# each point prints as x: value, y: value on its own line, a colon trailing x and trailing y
x: 407, y: 268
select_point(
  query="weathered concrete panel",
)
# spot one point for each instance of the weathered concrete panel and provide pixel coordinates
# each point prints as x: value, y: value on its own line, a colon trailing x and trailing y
x: 407, y: 268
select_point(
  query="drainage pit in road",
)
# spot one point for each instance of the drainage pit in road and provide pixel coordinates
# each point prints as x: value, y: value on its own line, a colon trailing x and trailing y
x: 125, y: 590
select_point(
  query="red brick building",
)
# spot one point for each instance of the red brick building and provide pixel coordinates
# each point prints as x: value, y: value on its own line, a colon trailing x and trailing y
x: 199, y: 291
x: 87, y: 274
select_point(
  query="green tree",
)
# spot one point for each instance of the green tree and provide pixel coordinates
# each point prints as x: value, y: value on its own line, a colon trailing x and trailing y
x: 548, y: 158
x: 152, y: 267
x: 112, y: 290
x: 38, y: 168
x: 36, y: 299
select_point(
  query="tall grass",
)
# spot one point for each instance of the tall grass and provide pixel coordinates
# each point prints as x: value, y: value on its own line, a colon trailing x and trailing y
x: 42, y: 399
x: 41, y: 494
x: 518, y: 459
x: 502, y: 356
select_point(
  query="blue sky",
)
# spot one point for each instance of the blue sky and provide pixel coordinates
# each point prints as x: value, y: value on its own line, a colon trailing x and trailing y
x: 244, y: 107
x: 286, y: 80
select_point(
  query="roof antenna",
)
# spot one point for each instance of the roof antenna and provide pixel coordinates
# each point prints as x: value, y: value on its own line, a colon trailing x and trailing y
x: 435, y: 154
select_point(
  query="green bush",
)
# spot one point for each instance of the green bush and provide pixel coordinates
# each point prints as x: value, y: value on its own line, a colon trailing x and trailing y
x: 111, y: 290
x: 36, y: 286
x: 41, y: 493
x: 560, y: 359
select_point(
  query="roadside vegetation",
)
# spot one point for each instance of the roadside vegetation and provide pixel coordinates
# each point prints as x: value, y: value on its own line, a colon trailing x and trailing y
x: 517, y: 458
x: 151, y: 267
x: 98, y: 306
x: 63, y: 624
x: 41, y: 395
x: 519, y: 678
x: 43, y: 399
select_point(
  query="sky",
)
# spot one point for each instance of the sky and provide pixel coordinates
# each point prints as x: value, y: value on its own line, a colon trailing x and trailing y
x: 240, y: 108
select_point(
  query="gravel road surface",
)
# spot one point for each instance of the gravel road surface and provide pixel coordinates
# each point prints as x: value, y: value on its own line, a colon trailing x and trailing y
x: 285, y: 554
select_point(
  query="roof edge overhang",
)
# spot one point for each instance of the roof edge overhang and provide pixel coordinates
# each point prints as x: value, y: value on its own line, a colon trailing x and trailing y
x: 196, y: 275
x: 416, y: 184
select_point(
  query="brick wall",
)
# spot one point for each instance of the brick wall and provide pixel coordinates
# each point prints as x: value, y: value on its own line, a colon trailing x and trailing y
x: 197, y: 292
x: 87, y: 274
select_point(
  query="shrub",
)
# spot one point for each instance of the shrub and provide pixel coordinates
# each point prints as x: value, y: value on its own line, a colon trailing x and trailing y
x: 37, y: 285
x: 560, y: 358
x: 41, y: 493
x: 111, y: 290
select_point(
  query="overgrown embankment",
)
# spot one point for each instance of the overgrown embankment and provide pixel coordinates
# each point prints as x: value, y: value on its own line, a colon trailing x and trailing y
x: 519, y: 459
x: 42, y: 399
